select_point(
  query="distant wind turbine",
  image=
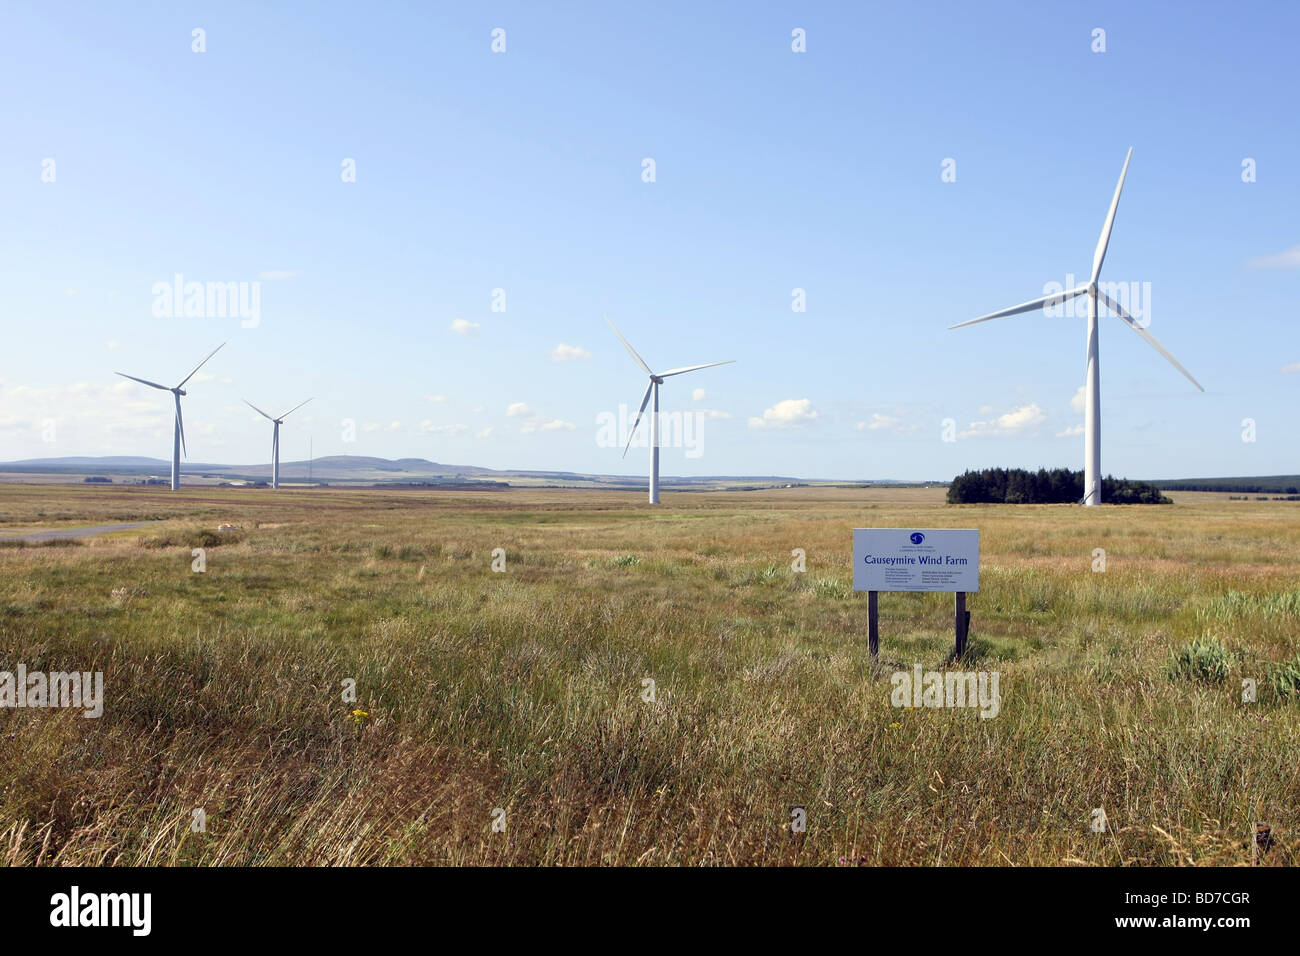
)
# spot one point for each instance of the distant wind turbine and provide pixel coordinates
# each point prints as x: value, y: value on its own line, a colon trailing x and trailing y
x: 653, y: 389
x: 275, y: 438
x: 178, y: 430
x: 1092, y: 386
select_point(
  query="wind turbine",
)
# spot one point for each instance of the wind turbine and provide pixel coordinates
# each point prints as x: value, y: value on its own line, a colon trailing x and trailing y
x: 653, y: 389
x: 178, y: 430
x: 275, y: 438
x: 1092, y: 386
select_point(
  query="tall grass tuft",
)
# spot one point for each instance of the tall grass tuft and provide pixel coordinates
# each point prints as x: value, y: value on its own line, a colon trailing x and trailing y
x: 1205, y: 659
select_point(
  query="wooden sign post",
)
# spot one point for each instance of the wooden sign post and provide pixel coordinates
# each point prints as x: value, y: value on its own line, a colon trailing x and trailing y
x: 873, y: 622
x: 961, y: 624
x: 903, y: 559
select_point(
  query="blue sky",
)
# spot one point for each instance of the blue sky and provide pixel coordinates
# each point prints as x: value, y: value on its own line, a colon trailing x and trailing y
x: 774, y: 171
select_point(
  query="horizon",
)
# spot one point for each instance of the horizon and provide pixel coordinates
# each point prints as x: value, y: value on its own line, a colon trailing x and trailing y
x: 108, y: 462
x: 516, y: 180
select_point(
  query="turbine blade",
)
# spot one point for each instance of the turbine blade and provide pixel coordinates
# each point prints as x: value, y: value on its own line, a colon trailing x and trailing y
x: 645, y: 400
x: 258, y: 410
x: 692, y: 368
x: 628, y: 345
x: 201, y: 364
x: 1099, y: 256
x: 1150, y: 339
x: 143, y: 381
x: 180, y: 425
x: 1053, y: 299
x: 294, y: 409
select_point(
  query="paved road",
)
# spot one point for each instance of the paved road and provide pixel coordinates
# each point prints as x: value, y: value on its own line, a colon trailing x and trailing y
x: 88, y: 532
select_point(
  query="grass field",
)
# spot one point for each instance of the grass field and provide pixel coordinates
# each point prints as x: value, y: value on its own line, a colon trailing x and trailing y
x: 523, y: 690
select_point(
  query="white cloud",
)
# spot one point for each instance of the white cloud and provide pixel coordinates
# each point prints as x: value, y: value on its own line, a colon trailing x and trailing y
x: 1076, y: 402
x: 710, y: 414
x: 564, y: 353
x: 518, y: 410
x: 1290, y: 259
x: 788, y: 413
x: 121, y: 417
x: 698, y: 394
x: 1018, y: 422
x: 112, y: 345
x: 1289, y: 369
x: 879, y: 421
x: 893, y: 423
x: 553, y: 425
x: 463, y: 327
x: 1071, y: 432
x: 429, y: 428
x: 274, y: 275
x: 485, y: 433
x: 436, y: 399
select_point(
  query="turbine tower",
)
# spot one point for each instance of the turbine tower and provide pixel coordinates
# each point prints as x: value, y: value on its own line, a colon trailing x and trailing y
x: 275, y: 438
x: 1092, y: 386
x: 178, y: 429
x: 653, y: 389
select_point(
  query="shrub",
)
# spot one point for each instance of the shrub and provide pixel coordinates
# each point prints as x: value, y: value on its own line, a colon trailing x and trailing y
x: 1284, y: 678
x: 1205, y: 659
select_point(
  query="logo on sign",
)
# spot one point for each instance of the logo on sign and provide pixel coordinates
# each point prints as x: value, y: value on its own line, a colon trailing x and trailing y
x: 917, y: 537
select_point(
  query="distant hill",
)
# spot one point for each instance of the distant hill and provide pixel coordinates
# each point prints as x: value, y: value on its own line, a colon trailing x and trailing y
x: 108, y: 461
x: 368, y: 470
x: 361, y: 469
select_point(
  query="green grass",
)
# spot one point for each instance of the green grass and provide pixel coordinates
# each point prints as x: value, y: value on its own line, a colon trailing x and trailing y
x: 523, y: 690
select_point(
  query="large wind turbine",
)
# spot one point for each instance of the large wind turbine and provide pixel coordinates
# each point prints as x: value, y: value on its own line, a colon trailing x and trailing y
x: 1092, y: 386
x: 275, y: 438
x: 178, y: 430
x: 653, y: 389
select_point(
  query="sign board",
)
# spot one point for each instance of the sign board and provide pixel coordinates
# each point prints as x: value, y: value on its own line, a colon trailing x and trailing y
x: 916, y: 559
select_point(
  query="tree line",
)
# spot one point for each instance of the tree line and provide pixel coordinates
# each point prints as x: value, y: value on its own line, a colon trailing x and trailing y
x: 1286, y: 486
x: 1018, y: 486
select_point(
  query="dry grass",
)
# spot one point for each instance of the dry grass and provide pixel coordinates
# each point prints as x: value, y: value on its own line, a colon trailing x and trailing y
x: 523, y: 690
